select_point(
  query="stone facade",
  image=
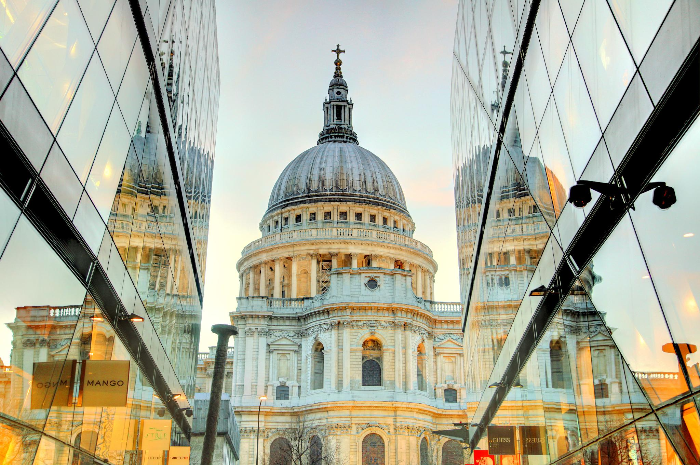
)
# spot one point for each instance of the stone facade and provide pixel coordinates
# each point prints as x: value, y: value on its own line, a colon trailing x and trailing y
x: 338, y: 329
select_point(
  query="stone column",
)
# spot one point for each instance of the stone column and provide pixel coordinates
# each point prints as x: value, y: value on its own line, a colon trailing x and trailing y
x: 419, y: 281
x: 346, y: 356
x: 353, y: 257
x: 263, y: 279
x: 398, y: 359
x: 334, y: 260
x: 278, y: 278
x: 262, y: 357
x: 429, y: 368
x: 314, y: 269
x: 428, y: 288
x: 334, y: 357
x: 251, y: 284
x: 408, y: 343
x: 248, y: 377
x: 294, y: 277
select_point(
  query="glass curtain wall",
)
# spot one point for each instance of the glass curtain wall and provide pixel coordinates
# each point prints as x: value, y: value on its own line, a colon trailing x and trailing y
x: 108, y: 114
x: 582, y: 323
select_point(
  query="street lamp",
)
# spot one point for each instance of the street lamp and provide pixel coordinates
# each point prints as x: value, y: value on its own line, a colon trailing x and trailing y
x: 257, y: 437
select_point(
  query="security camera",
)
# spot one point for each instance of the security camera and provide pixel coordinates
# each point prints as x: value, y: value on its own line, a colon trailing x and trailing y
x: 664, y: 196
x: 579, y: 195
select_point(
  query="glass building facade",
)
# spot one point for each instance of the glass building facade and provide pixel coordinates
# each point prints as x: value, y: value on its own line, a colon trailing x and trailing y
x: 581, y: 325
x: 108, y: 115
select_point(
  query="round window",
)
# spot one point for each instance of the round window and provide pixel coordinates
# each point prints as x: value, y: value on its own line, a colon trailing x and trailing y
x: 337, y: 92
x: 372, y: 284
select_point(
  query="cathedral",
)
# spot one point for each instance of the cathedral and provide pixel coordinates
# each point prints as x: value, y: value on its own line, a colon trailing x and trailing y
x: 343, y: 355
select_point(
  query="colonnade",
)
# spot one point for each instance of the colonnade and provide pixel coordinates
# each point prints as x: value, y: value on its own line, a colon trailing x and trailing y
x: 280, y: 277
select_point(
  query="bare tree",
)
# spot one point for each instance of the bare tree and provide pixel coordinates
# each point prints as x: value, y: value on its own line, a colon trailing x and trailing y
x: 304, y: 445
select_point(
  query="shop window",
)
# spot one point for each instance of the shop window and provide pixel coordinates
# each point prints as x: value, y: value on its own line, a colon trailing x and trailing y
x: 343, y: 216
x: 282, y: 393
x: 326, y: 216
x: 358, y: 216
x: 451, y: 396
x: 312, y: 216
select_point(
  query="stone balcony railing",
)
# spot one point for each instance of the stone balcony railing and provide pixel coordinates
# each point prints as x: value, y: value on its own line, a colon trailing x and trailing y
x: 338, y: 232
x: 307, y: 303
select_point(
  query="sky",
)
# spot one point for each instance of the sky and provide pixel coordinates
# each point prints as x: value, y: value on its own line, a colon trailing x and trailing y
x: 276, y: 62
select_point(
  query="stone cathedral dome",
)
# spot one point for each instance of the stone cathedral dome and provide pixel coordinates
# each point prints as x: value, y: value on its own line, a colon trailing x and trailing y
x: 337, y: 169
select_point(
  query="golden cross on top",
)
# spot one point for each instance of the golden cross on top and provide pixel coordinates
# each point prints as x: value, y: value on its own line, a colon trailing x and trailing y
x: 337, y: 52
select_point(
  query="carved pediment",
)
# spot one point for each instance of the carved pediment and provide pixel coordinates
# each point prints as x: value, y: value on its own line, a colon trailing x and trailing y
x: 284, y: 343
x: 449, y: 344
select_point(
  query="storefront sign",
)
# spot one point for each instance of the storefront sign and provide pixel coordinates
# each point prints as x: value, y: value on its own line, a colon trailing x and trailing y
x: 533, y: 440
x: 155, y: 434
x: 52, y: 384
x: 179, y: 455
x: 104, y: 383
x: 153, y: 457
x: 482, y: 457
x: 501, y: 440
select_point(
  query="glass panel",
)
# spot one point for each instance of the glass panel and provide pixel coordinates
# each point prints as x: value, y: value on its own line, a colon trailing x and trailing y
x: 672, y: 44
x: 669, y: 239
x: 553, y: 35
x: 109, y: 163
x: 654, y: 446
x: 25, y: 124
x: 639, y: 21
x: 682, y: 426
x: 53, y: 68
x: 627, y: 121
x: 130, y: 95
x: 9, y: 213
x: 555, y: 158
x: 20, y: 22
x: 39, y: 321
x: 537, y: 80
x: 576, y: 113
x: 606, y: 64
x: 96, y: 13
x: 61, y: 180
x: 84, y: 125
x: 6, y: 72
x: 17, y: 445
x: 117, y: 42
x: 89, y: 223
x: 625, y: 295
x: 571, y: 10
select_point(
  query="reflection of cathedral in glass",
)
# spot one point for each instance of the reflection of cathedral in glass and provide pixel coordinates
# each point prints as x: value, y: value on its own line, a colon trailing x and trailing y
x: 108, y: 123
x: 581, y: 321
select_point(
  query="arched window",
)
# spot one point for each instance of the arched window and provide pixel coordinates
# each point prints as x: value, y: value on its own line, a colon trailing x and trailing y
x: 282, y: 393
x: 451, y: 396
x: 315, y: 451
x: 317, y: 363
x: 452, y: 453
x: 420, y: 358
x: 371, y: 362
x: 280, y: 452
x: 424, y: 454
x: 558, y: 361
x: 373, y: 450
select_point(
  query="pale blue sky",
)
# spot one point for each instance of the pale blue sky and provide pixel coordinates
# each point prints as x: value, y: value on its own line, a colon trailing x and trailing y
x: 276, y: 63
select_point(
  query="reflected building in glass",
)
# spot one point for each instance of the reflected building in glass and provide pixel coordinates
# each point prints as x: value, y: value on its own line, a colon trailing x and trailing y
x: 581, y: 325
x: 108, y: 114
